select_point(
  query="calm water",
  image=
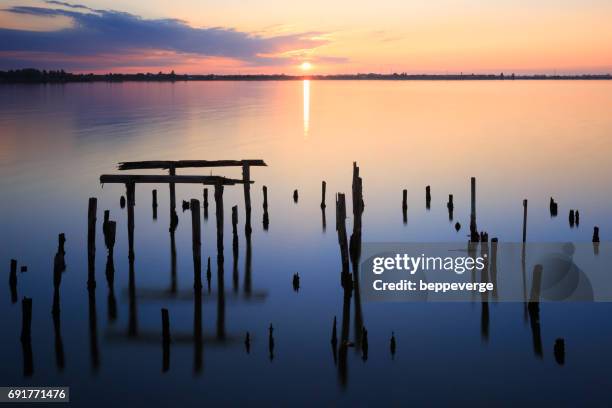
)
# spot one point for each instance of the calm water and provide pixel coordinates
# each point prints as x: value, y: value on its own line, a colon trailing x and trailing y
x: 520, y: 139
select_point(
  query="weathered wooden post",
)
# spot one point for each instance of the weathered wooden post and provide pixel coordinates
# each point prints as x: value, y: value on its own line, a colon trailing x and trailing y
x: 266, y: 216
x: 450, y: 206
x: 572, y: 219
x: 196, y: 243
x: 405, y: 205
x: 342, y: 238
x: 246, y: 178
x: 553, y: 207
x: 295, y: 196
x: 173, y: 216
x: 357, y: 190
x: 91, y: 242
x: 205, y: 203
x: 235, y: 230
x: 428, y: 197
x: 392, y: 345
x: 122, y: 202
x: 473, y: 225
x: 577, y: 218
x: 323, y: 188
x: 219, y: 214
x: 130, y: 193
x: 524, y: 220
x: 595, y: 234
x: 154, y: 203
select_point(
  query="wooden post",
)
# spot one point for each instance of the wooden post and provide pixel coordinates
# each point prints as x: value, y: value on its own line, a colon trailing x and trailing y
x: 219, y: 214
x: 246, y: 177
x: 205, y: 203
x: 342, y: 238
x: 26, y: 320
x: 91, y: 226
x: 91, y: 242
x: 154, y: 203
x: 173, y: 216
x: 323, y: 188
x: 473, y: 226
x: 235, y: 230
x: 295, y: 196
x: 405, y: 205
x: 473, y: 196
x: 572, y: 219
x: 524, y: 220
x: 577, y: 218
x: 595, y: 234
x: 266, y: 216
x: 130, y: 188
x: 428, y: 197
x: 196, y: 243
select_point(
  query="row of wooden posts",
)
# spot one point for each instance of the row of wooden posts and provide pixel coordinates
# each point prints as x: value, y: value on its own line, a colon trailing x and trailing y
x: 349, y: 249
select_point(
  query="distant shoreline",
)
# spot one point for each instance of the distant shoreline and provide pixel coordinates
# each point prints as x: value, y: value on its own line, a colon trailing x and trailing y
x: 38, y: 76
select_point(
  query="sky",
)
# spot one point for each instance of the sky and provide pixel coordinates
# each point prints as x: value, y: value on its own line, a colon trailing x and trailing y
x: 313, y: 36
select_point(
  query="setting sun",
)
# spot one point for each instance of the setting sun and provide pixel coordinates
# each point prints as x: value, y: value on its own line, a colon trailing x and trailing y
x: 306, y: 66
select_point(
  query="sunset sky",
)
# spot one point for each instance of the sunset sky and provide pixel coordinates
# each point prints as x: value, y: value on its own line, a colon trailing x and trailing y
x: 338, y: 36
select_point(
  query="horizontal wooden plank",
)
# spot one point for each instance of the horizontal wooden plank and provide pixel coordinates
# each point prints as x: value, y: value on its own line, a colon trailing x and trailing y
x: 154, y: 178
x: 166, y: 164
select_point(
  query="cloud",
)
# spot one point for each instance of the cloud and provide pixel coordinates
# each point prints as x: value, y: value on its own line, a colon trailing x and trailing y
x: 109, y: 33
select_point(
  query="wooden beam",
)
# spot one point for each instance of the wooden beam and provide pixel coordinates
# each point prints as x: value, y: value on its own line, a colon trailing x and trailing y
x: 166, y: 164
x: 157, y: 179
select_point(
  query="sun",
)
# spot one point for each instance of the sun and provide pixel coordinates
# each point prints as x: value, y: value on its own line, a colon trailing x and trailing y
x: 306, y: 66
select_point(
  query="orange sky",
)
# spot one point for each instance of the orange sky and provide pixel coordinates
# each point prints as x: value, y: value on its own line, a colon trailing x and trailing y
x: 566, y: 36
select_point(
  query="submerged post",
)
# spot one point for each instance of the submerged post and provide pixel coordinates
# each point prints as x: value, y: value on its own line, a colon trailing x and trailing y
x: 130, y: 188
x: 428, y: 197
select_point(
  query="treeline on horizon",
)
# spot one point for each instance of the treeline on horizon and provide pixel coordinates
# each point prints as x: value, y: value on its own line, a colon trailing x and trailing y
x: 31, y: 75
